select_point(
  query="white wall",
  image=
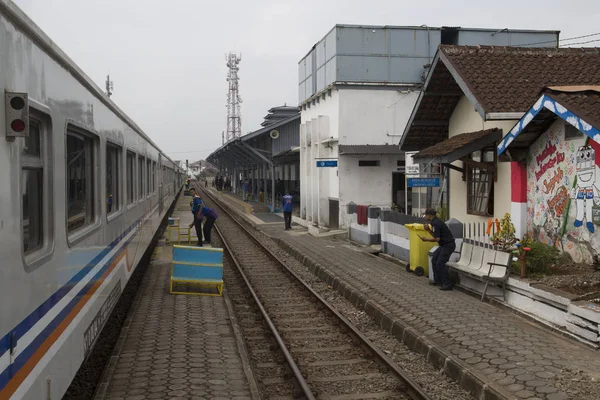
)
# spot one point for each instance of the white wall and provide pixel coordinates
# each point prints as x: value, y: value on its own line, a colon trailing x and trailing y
x: 368, y: 116
x: 365, y: 185
x: 354, y: 116
x: 466, y: 119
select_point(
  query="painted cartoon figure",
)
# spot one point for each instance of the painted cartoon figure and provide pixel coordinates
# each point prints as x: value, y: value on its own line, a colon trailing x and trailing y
x: 586, y: 193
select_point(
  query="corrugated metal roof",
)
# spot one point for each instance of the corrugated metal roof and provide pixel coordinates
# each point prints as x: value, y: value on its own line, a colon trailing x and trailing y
x: 364, y: 149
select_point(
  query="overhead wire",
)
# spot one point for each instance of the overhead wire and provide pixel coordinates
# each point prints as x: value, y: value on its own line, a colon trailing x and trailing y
x: 589, y: 41
x: 560, y: 40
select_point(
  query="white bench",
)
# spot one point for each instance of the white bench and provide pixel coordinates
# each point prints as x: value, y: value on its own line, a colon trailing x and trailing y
x: 484, y: 264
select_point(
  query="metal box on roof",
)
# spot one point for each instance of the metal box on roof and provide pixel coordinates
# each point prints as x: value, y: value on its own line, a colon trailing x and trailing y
x: 394, y: 54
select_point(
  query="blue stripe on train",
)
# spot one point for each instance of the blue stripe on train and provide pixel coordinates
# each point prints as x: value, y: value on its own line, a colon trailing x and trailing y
x: 24, y: 326
x: 8, y: 373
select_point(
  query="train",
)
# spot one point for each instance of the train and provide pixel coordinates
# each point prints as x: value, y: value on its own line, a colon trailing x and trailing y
x: 84, y: 191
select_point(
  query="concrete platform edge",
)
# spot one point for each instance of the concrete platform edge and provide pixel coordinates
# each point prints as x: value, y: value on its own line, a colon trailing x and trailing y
x: 436, y: 355
x: 241, y: 345
x: 112, y: 364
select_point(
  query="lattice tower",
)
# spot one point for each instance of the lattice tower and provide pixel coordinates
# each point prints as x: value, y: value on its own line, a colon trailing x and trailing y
x: 234, y: 116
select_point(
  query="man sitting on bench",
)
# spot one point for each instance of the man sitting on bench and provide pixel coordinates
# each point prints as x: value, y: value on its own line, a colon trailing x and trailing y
x: 443, y: 236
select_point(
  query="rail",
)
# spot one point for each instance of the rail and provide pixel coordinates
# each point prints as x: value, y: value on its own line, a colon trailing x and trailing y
x: 413, y: 389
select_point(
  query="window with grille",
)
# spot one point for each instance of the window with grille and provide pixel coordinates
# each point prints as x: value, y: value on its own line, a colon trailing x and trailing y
x: 480, y: 183
x: 368, y: 163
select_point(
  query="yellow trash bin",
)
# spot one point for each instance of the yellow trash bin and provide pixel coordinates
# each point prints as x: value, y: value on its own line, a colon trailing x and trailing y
x: 419, y: 250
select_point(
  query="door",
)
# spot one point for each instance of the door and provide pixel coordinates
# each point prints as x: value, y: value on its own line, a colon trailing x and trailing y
x: 334, y: 214
x: 399, y: 191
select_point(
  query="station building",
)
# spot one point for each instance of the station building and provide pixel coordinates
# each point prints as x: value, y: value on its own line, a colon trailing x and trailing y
x: 357, y: 89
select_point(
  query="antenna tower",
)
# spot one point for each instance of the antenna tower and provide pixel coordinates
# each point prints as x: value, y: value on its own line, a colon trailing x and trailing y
x: 234, y: 116
x: 109, y: 86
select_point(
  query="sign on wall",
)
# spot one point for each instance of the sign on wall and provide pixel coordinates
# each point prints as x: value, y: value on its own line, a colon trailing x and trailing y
x: 423, y: 182
x: 412, y: 168
x: 326, y: 163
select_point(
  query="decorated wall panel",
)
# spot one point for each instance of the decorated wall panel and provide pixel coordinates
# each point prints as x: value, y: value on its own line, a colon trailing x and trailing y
x: 563, y: 193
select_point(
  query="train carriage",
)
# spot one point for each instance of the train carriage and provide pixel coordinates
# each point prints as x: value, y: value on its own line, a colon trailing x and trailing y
x: 83, y: 192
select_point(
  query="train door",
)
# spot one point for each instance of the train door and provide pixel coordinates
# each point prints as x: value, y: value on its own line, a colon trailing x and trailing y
x: 161, y: 197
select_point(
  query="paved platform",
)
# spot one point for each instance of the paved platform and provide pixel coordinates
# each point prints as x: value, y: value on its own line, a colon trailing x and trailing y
x: 176, y: 346
x: 490, y: 351
x: 257, y: 212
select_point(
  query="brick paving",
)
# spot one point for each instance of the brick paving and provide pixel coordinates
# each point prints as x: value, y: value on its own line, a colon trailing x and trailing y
x: 487, y: 344
x: 176, y: 346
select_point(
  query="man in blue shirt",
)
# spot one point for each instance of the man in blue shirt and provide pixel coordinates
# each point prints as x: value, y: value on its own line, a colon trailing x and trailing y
x: 211, y: 217
x: 197, y: 204
x: 245, y: 188
x: 445, y: 240
x: 287, y: 210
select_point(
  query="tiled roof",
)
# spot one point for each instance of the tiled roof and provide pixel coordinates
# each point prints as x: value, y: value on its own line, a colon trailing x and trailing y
x: 363, y: 149
x: 508, y: 79
x: 496, y: 80
x: 581, y: 101
x: 454, y: 143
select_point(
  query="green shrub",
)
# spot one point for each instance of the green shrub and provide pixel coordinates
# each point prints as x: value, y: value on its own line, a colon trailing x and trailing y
x: 541, y: 256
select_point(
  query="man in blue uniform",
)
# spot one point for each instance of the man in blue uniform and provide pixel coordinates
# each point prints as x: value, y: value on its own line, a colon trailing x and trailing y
x: 287, y: 210
x: 445, y: 240
x: 211, y: 217
x: 197, y: 204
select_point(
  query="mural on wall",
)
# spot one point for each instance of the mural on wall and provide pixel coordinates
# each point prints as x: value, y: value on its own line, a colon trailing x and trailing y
x: 563, y: 201
x: 586, y: 190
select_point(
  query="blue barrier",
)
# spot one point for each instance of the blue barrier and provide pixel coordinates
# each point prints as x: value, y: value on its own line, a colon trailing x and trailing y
x: 200, y: 266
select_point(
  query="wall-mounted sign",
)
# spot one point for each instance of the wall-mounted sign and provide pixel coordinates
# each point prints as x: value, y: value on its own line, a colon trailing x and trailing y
x: 326, y: 163
x: 412, y: 168
x: 423, y: 182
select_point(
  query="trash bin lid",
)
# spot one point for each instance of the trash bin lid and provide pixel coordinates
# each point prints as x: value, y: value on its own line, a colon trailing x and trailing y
x: 415, y: 227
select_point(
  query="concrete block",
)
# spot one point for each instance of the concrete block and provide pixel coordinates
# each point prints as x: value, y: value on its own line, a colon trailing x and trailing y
x: 584, y: 323
x: 584, y: 333
x: 586, y: 310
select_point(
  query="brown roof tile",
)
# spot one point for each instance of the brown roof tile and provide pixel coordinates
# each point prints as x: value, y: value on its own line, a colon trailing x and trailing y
x: 508, y: 79
x: 454, y: 143
x: 583, y: 102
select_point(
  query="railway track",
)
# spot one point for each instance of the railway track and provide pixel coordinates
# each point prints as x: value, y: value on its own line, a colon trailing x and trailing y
x: 325, y: 356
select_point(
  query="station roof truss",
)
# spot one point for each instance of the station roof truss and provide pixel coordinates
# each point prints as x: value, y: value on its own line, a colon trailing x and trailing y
x: 241, y: 151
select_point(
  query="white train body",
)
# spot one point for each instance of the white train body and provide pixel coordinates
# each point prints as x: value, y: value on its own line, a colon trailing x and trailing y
x: 80, y: 200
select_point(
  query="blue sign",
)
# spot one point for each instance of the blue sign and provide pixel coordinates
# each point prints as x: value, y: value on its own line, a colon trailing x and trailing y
x: 326, y: 163
x: 423, y: 182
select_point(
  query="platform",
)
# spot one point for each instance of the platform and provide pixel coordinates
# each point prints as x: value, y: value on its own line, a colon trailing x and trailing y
x: 257, y: 212
x: 176, y: 346
x: 484, y: 347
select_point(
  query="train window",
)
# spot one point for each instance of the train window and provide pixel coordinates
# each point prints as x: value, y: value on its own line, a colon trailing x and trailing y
x: 140, y: 177
x: 113, y: 171
x: 153, y: 176
x: 148, y: 174
x: 130, y: 176
x: 80, y: 181
x: 32, y: 189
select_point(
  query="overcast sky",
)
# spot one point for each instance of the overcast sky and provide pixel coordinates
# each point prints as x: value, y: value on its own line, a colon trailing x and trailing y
x: 167, y: 58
